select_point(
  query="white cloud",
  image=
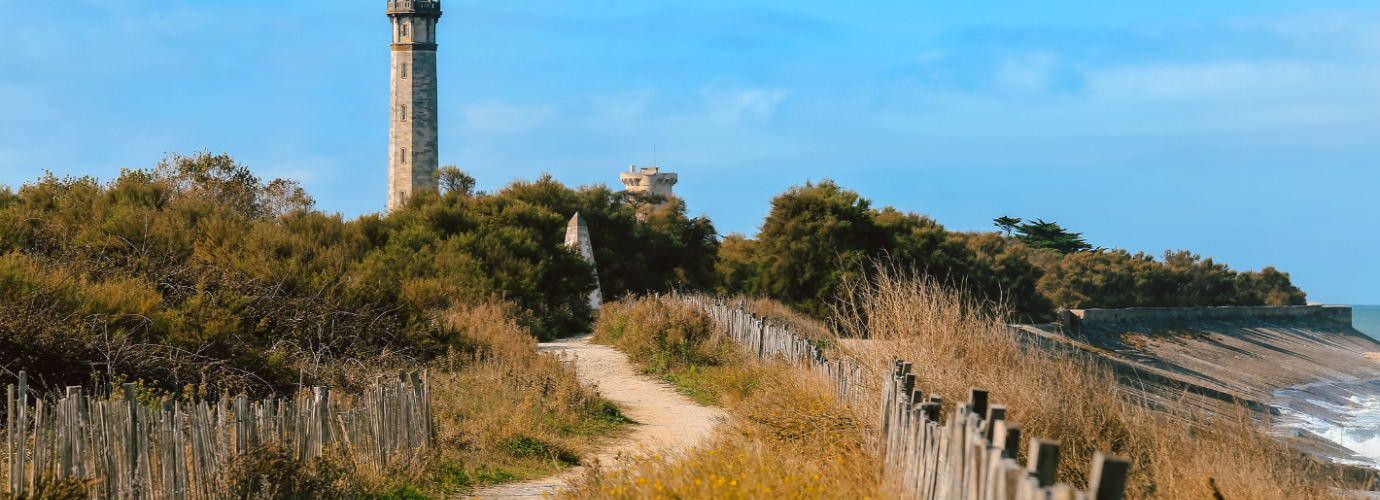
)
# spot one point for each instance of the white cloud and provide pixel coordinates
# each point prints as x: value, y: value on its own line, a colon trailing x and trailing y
x: 738, y: 106
x: 1031, y: 72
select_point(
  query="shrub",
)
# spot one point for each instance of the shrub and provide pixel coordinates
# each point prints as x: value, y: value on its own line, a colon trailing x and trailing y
x: 198, y: 273
x: 662, y: 334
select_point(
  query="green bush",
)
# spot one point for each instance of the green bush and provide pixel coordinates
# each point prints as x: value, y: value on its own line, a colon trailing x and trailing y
x: 819, y: 236
x: 196, y: 273
x: 661, y: 334
x: 1117, y: 278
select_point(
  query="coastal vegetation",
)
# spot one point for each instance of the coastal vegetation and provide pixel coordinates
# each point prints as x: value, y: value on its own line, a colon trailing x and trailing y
x: 197, y: 273
x: 956, y: 340
x: 196, y: 278
x: 788, y: 436
x: 819, y: 235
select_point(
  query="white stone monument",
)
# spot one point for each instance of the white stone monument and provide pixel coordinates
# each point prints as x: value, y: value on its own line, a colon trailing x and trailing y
x: 577, y: 238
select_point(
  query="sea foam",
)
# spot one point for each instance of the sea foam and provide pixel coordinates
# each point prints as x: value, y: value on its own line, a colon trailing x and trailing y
x: 1345, y: 413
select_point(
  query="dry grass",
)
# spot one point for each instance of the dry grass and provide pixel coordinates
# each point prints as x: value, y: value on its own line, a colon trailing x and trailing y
x: 956, y: 343
x: 788, y: 439
x: 804, y: 325
x: 678, y: 343
x: 503, y: 411
x: 661, y: 333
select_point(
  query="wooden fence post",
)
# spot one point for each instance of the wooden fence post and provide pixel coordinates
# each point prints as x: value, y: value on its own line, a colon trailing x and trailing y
x: 977, y: 401
x: 1109, y: 474
x: 133, y: 454
x: 39, y: 461
x: 1012, y: 440
x: 9, y: 440
x: 1043, y: 461
x: 21, y: 433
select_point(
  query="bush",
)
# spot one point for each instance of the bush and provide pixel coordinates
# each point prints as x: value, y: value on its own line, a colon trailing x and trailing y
x: 1116, y: 279
x: 819, y: 235
x: 661, y: 334
x: 196, y: 273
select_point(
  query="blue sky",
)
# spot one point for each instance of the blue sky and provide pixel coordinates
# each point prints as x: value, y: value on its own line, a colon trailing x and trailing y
x: 1247, y: 131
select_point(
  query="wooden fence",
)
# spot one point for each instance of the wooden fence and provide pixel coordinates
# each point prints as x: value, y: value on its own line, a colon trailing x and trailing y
x: 183, y: 451
x: 773, y: 340
x: 970, y: 456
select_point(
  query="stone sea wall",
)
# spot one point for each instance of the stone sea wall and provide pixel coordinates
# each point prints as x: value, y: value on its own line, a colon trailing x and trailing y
x: 1079, y: 317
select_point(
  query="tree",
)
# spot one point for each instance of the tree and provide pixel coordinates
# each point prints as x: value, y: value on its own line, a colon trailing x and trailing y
x: 1117, y: 278
x: 818, y: 235
x: 812, y: 236
x: 1002, y: 270
x: 452, y: 180
x: 1048, y: 235
x: 637, y: 248
x: 1007, y: 224
x: 736, y: 265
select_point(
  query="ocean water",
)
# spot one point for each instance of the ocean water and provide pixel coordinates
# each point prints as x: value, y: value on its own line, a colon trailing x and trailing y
x: 1346, y: 413
x: 1367, y: 320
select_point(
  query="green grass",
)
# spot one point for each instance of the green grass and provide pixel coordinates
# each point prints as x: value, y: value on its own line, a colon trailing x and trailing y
x: 529, y: 447
x: 604, y: 419
x: 452, y: 477
x: 398, y: 492
x: 715, y: 385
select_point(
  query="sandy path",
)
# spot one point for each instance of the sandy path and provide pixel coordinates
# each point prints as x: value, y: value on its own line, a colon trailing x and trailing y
x: 665, y: 418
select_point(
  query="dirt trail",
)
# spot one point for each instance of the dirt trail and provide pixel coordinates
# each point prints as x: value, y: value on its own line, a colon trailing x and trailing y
x: 665, y: 418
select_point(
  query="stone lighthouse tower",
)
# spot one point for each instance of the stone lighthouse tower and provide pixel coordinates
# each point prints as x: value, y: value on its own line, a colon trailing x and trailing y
x: 412, y: 122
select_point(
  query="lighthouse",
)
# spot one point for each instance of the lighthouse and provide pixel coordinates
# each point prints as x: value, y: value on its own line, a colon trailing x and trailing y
x: 412, y: 158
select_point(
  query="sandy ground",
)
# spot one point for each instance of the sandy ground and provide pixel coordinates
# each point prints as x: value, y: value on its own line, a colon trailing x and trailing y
x: 665, y: 418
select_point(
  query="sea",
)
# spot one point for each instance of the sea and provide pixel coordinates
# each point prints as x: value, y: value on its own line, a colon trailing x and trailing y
x: 1367, y: 320
x: 1346, y: 413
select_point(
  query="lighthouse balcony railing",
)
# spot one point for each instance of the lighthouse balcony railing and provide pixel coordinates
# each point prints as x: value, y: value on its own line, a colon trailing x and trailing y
x: 413, y: 6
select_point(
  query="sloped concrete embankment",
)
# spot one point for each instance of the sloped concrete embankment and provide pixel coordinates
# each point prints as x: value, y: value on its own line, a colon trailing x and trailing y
x: 1285, y: 360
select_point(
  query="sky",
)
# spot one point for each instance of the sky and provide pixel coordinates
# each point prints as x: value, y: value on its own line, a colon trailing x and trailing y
x: 1244, y: 131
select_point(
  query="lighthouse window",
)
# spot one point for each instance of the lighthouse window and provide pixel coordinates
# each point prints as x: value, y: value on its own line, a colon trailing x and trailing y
x: 402, y: 113
x: 406, y: 30
x: 404, y: 70
x: 402, y: 156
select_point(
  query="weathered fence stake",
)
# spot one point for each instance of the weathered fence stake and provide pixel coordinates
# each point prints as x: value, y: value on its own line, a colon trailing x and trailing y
x: 1043, y: 461
x: 1109, y: 474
